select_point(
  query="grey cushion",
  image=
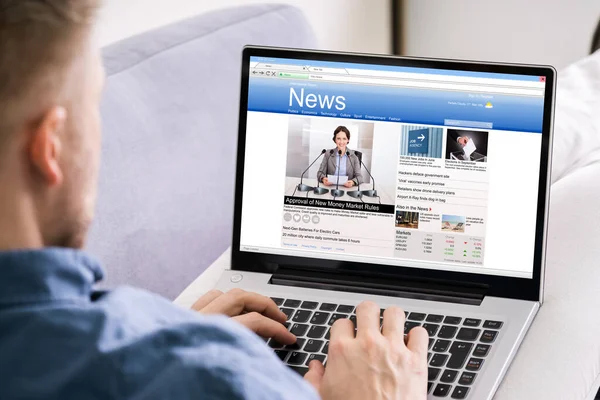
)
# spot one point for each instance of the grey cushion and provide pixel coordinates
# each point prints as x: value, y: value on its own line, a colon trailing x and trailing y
x: 170, y: 112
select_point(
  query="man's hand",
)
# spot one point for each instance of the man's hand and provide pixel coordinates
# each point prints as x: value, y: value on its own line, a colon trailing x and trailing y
x: 349, y: 184
x: 373, y: 365
x: 326, y: 182
x: 463, y: 140
x: 258, y: 313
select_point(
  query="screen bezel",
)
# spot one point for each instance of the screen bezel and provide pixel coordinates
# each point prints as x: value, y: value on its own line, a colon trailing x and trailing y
x: 500, y: 286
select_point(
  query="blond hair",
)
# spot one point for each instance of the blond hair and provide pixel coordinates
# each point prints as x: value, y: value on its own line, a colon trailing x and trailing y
x: 39, y: 39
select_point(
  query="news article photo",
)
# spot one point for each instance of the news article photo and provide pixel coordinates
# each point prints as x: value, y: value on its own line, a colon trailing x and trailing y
x: 421, y: 141
x: 466, y: 145
x: 453, y: 223
x: 407, y: 219
x: 365, y: 172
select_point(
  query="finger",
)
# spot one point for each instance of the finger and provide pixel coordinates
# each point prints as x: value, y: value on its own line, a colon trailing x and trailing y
x: 342, y: 328
x: 206, y: 299
x: 236, y: 301
x: 367, y: 318
x: 266, y: 327
x: 393, y: 324
x: 314, y: 376
x: 418, y: 341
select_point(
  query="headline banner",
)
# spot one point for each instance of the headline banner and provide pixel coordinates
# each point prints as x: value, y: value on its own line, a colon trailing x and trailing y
x: 339, y: 205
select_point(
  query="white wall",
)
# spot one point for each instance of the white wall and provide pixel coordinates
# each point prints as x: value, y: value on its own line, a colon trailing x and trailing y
x: 555, y: 32
x: 348, y: 25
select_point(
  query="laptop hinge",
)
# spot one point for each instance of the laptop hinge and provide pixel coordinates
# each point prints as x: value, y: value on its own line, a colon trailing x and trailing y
x: 421, y: 289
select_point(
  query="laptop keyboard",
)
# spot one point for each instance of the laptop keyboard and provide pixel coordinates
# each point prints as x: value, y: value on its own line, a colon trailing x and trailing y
x: 458, y: 346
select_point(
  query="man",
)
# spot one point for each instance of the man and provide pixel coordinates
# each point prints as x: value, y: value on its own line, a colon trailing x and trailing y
x: 60, y: 339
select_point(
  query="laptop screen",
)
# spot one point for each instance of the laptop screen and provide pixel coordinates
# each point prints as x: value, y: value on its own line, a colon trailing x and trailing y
x: 400, y: 166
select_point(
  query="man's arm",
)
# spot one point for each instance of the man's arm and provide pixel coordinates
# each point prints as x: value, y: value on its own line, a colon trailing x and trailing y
x: 171, y: 352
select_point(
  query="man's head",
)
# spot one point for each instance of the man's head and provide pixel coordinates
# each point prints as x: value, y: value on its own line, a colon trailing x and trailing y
x: 50, y: 84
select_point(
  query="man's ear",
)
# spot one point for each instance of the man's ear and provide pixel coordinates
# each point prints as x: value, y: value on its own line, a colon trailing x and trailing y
x: 44, y: 146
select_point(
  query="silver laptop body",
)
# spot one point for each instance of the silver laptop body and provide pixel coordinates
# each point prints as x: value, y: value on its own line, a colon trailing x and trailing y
x: 444, y: 218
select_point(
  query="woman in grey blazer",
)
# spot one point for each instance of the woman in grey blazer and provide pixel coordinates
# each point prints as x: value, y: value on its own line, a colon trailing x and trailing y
x: 350, y: 165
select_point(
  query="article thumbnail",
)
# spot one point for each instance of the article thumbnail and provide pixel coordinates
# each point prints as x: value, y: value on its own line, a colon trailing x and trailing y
x: 335, y: 159
x: 466, y: 145
x: 421, y: 141
x: 453, y: 223
x: 407, y: 219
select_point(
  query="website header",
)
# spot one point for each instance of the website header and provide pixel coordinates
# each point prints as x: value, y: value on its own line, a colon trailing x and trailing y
x: 461, y: 107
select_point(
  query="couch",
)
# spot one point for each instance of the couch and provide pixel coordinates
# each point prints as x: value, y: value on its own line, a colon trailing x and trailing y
x: 165, y: 203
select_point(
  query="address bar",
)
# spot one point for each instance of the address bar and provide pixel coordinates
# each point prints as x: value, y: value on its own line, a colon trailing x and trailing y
x: 430, y: 85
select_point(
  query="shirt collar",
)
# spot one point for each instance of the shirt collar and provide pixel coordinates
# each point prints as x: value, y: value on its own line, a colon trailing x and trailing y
x: 48, y: 274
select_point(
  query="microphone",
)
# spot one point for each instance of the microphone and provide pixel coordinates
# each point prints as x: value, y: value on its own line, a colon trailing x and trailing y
x: 357, y: 194
x: 301, y: 186
x: 372, y: 192
x: 337, y: 192
x: 321, y: 190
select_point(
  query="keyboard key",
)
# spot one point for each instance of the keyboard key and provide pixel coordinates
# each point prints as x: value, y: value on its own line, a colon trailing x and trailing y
x: 287, y: 311
x: 429, y: 385
x: 345, y: 309
x: 447, y: 332
x: 274, y: 344
x: 309, y: 305
x: 301, y: 370
x: 292, y: 303
x: 492, y: 324
x: 432, y: 373
x: 436, y: 319
x: 474, y: 364
x: 287, y: 325
x: 328, y: 334
x: 467, y: 378
x: 299, y: 329
x: 431, y: 340
x: 311, y: 357
x: 282, y: 354
x: 460, y: 351
x: 277, y: 300
x: 313, y: 346
x: 325, y: 349
x: 335, y: 317
x: 302, y: 316
x: 409, y: 325
x: 442, y: 390
x: 481, y: 350
x: 460, y: 392
x: 297, y: 358
x: 414, y: 316
x: 441, y: 346
x: 438, y: 360
x: 429, y: 356
x: 468, y: 334
x: 431, y: 328
x: 319, y: 318
x: 296, y: 346
x: 449, y: 376
x: 452, y: 320
x: 471, y: 322
x: 488, y: 336
x: 316, y: 332
x: 328, y: 307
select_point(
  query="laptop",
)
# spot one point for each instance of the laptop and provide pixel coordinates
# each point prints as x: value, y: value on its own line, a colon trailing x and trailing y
x: 467, y: 260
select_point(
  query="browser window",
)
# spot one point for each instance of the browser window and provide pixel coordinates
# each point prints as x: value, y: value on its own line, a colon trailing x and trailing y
x: 401, y: 166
